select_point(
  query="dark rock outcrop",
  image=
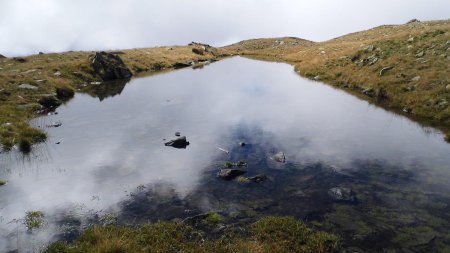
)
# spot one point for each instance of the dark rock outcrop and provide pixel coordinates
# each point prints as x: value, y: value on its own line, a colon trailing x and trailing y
x: 178, y: 143
x: 19, y: 59
x: 198, y: 51
x: 413, y: 21
x: 2, y: 56
x: 109, y: 66
x: 64, y: 93
x: 49, y: 101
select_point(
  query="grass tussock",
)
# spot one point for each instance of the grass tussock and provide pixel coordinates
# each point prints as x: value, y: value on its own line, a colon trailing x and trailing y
x: 270, y: 234
x: 34, y: 220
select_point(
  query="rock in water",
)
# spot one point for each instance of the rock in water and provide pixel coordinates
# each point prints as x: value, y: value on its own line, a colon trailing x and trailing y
x: 258, y: 178
x: 49, y: 101
x: 64, y: 93
x: 178, y: 143
x: 279, y: 157
x: 110, y: 66
x: 229, y: 174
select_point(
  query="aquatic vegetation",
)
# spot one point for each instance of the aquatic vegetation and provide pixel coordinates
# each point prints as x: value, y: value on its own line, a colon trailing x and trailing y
x: 270, y: 234
x: 228, y: 164
x: 213, y: 218
x: 2, y: 182
x: 34, y: 220
x: 243, y: 180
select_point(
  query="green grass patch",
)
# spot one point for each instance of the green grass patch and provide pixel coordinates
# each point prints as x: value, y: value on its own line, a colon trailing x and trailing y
x: 34, y: 220
x: 213, y: 218
x: 270, y: 234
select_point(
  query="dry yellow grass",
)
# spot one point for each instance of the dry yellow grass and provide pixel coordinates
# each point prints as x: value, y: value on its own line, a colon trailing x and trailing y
x: 416, y: 58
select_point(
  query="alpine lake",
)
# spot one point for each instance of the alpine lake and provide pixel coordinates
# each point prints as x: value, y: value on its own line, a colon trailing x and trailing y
x: 375, y: 178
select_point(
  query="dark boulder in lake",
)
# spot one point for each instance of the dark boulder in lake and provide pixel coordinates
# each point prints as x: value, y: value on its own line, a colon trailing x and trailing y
x: 49, y: 101
x: 178, y: 143
x: 109, y: 66
x: 64, y: 93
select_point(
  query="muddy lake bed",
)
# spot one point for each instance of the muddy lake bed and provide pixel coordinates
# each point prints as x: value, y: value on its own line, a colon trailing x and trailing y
x: 377, y: 179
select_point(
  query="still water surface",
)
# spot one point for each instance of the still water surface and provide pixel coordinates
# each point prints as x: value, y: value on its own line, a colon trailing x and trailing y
x: 111, y: 159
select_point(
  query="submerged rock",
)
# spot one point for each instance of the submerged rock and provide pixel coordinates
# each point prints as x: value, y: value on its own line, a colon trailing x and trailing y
x: 342, y: 194
x: 258, y: 178
x: 54, y: 124
x: 228, y: 174
x: 241, y: 164
x: 178, y: 143
x: 110, y: 66
x: 279, y: 157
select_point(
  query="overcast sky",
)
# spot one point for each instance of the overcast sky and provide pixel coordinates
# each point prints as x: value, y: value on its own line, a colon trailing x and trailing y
x: 30, y: 26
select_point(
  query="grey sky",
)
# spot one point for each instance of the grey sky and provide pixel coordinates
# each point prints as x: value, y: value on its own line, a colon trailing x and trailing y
x: 29, y: 26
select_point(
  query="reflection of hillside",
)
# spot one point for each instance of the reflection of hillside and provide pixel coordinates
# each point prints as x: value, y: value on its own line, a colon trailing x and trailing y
x: 106, y: 89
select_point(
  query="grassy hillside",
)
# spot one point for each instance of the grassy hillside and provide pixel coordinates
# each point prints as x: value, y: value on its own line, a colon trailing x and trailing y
x: 405, y: 68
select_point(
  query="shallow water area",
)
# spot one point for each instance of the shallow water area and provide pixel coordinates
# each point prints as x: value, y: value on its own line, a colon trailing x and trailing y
x: 375, y: 178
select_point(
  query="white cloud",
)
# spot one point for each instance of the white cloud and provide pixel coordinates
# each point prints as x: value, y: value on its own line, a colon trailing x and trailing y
x: 29, y: 26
